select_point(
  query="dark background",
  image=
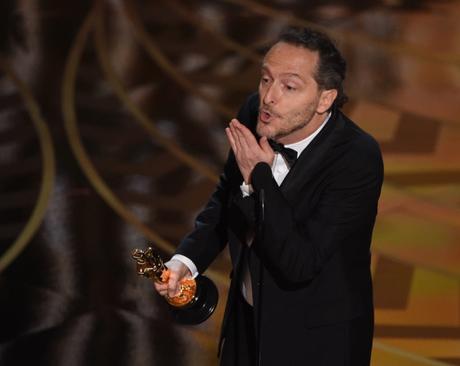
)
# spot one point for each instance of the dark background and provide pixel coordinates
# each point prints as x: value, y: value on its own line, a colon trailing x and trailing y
x: 111, y: 137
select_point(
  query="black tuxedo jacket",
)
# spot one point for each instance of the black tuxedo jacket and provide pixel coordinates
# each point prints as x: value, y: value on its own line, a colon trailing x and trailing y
x: 312, y: 235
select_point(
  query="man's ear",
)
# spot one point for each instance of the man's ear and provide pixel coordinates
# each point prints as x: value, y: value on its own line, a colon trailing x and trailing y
x: 326, y: 99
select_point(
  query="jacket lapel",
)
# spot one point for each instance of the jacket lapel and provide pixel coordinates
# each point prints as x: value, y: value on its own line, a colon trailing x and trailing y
x: 310, y: 160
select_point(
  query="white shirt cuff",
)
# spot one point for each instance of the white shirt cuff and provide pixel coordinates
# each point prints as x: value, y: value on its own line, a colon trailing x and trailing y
x: 190, y: 265
x: 246, y: 189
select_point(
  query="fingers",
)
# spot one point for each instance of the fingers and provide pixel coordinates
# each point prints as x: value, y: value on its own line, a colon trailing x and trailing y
x: 263, y: 142
x: 240, y: 137
x: 267, y: 149
x: 246, y: 148
x: 244, y: 136
x: 231, y: 139
x: 233, y: 136
x: 173, y: 284
x: 169, y: 288
x: 162, y: 288
x: 171, y: 278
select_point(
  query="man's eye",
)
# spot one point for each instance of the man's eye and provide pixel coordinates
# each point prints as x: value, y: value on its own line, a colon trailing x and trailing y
x: 265, y: 80
x: 290, y: 88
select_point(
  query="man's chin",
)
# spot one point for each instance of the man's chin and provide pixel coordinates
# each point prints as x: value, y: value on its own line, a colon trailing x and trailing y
x: 264, y: 131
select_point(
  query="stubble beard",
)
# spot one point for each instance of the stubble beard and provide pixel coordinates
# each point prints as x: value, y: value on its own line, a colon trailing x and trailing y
x: 293, y: 124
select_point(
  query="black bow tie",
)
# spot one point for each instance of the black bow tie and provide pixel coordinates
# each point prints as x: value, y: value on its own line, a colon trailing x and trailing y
x: 290, y: 155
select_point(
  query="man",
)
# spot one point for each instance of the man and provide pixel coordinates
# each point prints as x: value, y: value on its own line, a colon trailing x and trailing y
x: 299, y: 231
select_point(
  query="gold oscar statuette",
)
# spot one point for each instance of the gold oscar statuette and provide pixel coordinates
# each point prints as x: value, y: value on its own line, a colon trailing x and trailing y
x: 197, y: 298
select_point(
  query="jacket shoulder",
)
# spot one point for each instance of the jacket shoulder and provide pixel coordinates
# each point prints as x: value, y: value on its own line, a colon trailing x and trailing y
x: 362, y: 145
x: 249, y: 111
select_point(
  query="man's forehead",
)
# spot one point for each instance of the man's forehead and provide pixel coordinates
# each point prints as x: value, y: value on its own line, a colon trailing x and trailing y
x: 266, y: 68
x: 290, y: 60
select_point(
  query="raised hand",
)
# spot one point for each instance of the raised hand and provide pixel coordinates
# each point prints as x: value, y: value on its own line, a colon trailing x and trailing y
x: 248, y: 151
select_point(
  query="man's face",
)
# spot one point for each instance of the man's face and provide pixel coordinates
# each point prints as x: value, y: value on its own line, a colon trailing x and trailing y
x: 291, y: 104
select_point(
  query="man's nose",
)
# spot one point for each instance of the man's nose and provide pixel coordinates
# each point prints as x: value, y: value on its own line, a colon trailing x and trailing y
x: 270, y: 96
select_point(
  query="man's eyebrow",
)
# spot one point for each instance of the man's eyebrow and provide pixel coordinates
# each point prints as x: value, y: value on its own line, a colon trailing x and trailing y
x: 292, y: 74
x: 265, y: 68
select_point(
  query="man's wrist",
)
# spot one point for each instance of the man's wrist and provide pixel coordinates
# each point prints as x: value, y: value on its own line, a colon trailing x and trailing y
x: 187, y: 262
x: 246, y: 189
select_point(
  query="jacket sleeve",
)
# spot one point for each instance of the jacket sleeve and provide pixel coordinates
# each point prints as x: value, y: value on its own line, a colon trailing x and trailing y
x: 209, y: 235
x: 297, y: 247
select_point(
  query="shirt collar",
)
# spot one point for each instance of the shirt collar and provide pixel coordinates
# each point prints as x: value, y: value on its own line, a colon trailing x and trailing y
x: 300, y: 146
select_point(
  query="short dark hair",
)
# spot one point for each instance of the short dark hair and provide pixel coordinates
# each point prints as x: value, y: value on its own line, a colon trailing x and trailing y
x: 331, y: 68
